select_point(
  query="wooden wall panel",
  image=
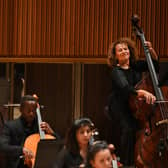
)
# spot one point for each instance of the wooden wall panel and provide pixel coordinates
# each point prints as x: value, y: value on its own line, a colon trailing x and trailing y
x: 82, y: 28
x: 72, y: 29
x: 53, y: 84
x: 76, y: 28
x: 97, y: 85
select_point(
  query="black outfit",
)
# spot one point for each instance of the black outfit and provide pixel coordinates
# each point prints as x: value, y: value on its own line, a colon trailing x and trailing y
x: 12, y: 140
x: 123, y: 82
x: 67, y: 159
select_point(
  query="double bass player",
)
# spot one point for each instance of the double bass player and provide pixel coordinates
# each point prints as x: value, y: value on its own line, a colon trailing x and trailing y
x: 126, y: 72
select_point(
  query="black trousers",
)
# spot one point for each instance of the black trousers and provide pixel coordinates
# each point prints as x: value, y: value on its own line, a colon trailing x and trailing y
x: 126, y: 124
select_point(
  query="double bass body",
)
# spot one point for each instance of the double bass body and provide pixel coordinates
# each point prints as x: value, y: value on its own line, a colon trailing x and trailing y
x: 151, y: 149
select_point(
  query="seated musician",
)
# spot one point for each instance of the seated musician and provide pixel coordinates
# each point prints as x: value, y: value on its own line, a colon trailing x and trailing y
x: 76, y: 144
x: 16, y: 131
x: 99, y: 155
x: 79, y: 138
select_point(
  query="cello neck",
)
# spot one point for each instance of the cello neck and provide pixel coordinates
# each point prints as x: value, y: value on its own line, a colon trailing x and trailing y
x: 41, y: 132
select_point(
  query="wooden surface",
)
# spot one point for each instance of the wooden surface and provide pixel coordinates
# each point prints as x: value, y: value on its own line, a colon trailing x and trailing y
x: 80, y: 29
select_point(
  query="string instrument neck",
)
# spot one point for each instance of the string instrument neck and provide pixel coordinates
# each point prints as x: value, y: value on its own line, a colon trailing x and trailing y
x: 139, y: 32
x: 41, y: 132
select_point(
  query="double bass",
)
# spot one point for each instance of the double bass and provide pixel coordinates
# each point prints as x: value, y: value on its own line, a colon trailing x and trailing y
x: 151, y: 149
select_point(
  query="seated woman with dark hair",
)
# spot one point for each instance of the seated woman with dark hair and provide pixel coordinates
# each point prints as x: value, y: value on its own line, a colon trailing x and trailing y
x: 77, y: 142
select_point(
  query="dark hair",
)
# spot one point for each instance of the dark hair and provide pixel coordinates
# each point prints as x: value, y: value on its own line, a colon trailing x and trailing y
x: 71, y: 141
x: 94, y: 149
x: 112, y: 61
x: 26, y: 98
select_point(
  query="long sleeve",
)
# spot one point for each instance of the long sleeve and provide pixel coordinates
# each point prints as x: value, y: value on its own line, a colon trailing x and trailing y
x: 8, y: 143
x: 12, y: 140
x: 121, y: 83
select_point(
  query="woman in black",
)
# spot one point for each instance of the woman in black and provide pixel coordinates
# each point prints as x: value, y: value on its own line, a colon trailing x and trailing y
x: 126, y: 73
x: 77, y: 142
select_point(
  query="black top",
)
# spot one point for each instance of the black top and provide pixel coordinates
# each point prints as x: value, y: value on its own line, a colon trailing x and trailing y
x: 123, y: 85
x: 67, y: 159
x: 124, y: 80
x: 12, y: 140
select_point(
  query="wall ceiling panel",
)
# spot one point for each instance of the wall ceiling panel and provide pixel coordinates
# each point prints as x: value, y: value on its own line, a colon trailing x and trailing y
x: 76, y: 29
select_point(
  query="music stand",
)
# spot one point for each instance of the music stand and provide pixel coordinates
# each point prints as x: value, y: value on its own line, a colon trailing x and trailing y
x: 47, y: 151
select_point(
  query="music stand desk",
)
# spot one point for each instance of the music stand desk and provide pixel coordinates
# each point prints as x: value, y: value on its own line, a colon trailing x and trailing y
x: 47, y: 151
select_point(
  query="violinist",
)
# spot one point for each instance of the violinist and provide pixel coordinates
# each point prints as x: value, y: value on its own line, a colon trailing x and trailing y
x: 16, y: 131
x: 126, y: 72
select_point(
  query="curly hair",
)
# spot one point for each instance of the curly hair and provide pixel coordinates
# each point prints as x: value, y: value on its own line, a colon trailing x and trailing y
x: 111, y: 59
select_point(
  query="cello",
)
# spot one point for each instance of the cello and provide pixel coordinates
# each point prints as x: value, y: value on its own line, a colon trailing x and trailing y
x: 32, y: 141
x: 151, y: 148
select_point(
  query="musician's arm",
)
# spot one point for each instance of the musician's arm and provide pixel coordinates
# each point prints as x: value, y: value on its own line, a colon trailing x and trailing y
x: 153, y: 54
x: 126, y: 90
x: 47, y: 128
x: 6, y: 143
x: 151, y: 49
